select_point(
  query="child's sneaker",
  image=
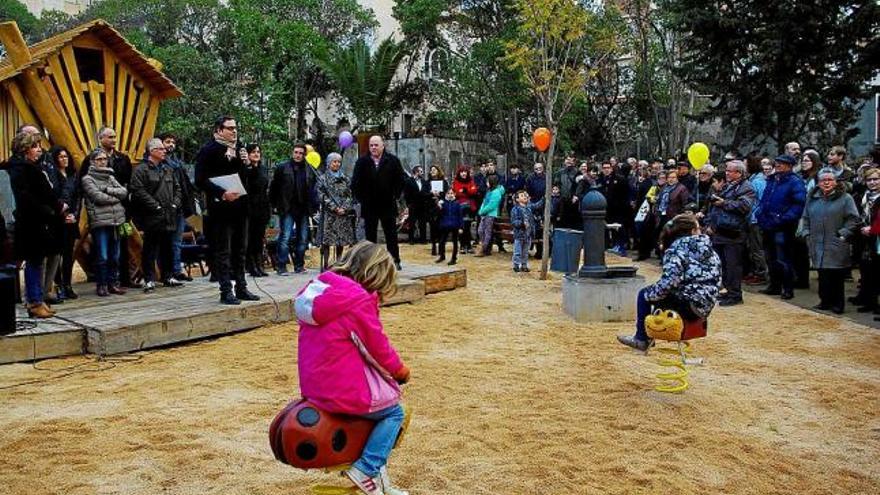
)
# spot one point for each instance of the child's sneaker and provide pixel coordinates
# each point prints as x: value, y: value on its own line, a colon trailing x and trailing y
x: 516, y: 268
x: 524, y: 268
x: 370, y: 486
x: 386, y: 483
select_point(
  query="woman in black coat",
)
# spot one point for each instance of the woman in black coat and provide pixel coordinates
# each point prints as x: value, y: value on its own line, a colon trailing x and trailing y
x: 67, y: 190
x: 38, y: 218
x: 259, y: 211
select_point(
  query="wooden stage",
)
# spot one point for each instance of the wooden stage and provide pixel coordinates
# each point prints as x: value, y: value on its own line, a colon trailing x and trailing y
x: 135, y: 321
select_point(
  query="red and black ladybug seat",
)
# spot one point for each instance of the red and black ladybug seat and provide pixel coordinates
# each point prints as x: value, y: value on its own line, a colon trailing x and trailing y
x: 306, y: 437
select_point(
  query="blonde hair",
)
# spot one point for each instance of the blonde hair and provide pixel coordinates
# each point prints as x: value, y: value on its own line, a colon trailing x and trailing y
x: 371, y: 266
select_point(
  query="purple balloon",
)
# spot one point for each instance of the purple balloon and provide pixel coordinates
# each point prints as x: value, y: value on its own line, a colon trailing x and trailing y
x: 345, y: 139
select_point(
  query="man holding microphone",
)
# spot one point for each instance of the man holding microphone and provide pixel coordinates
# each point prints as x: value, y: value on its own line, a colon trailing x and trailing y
x: 226, y: 209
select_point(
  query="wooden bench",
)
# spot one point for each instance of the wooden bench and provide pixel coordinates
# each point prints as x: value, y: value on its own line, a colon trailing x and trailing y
x: 502, y: 230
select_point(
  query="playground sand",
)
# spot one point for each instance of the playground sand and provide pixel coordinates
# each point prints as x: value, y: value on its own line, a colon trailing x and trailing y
x: 509, y: 396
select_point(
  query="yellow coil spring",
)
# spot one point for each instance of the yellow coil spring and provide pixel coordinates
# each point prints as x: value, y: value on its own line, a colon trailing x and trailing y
x: 352, y: 490
x: 674, y: 381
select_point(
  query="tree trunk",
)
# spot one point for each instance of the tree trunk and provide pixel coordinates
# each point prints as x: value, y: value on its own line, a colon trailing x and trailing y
x: 548, y: 186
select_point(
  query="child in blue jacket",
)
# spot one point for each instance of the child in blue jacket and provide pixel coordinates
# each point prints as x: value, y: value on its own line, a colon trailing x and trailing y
x: 451, y: 222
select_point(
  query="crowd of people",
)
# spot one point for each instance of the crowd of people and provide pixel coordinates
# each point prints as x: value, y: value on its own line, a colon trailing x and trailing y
x: 768, y: 220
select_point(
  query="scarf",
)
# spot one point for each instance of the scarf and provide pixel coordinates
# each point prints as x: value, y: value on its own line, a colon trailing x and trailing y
x: 868, y: 202
x: 333, y: 175
x: 231, y: 151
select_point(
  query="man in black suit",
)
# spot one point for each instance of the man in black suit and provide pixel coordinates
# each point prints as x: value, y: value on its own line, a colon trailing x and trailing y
x: 376, y: 183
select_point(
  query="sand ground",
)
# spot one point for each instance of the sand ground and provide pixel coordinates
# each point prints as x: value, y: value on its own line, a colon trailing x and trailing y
x: 509, y: 395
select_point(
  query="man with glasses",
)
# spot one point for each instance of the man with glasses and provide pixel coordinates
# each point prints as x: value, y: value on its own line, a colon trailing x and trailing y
x: 294, y: 197
x: 227, y: 210
x: 156, y: 197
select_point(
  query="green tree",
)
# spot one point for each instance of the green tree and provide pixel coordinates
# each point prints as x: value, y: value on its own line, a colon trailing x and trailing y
x: 364, y: 79
x: 556, y: 48
x: 28, y: 24
x: 778, y: 69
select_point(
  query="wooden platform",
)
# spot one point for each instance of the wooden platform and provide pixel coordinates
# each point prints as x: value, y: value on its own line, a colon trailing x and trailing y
x: 135, y: 321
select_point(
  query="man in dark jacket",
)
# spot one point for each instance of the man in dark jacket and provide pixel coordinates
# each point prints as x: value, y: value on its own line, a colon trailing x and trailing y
x: 122, y: 170
x: 730, y: 230
x: 155, y: 201
x: 565, y: 178
x: 227, y: 210
x: 187, y: 201
x: 294, y: 198
x: 615, y: 188
x: 781, y: 207
x: 419, y: 201
x: 377, y: 182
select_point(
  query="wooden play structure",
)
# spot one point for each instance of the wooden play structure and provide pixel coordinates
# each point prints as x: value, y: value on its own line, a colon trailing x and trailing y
x: 76, y: 82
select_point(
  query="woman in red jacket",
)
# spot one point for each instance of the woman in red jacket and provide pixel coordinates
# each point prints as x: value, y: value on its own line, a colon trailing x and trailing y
x: 466, y: 193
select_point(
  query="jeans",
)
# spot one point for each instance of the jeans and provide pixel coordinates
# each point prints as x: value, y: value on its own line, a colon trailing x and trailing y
x: 65, y: 275
x: 381, y: 440
x: 296, y: 228
x: 106, y: 249
x: 389, y: 228
x: 521, y: 251
x: 778, y: 247
x: 644, y: 307
x: 33, y: 279
x: 731, y: 268
x: 176, y: 240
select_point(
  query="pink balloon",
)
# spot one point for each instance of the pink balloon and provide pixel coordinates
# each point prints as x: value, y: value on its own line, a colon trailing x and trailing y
x: 345, y: 139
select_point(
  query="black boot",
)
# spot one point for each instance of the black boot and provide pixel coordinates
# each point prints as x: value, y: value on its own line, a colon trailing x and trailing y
x: 69, y: 293
x: 229, y: 298
x: 246, y: 295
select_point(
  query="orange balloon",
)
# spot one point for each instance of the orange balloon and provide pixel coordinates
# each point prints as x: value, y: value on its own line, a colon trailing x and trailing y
x: 541, y: 139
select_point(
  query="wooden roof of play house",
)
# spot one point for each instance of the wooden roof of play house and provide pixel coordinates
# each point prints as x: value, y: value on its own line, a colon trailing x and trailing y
x: 76, y: 82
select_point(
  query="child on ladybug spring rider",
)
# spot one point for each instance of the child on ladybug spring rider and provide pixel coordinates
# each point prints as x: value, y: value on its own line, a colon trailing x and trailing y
x: 346, y: 363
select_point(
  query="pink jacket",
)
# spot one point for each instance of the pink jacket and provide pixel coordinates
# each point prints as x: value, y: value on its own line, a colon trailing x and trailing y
x: 336, y: 316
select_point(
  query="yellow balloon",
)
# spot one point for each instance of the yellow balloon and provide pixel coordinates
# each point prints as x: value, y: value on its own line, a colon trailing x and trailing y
x: 698, y: 155
x: 313, y: 159
x: 309, y: 148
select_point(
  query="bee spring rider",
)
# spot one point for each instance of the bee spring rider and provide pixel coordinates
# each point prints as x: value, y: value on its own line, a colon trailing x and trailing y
x: 668, y: 325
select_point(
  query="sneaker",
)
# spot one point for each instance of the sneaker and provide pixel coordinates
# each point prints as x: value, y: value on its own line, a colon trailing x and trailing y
x: 524, y: 268
x: 149, y: 287
x: 301, y: 269
x: 183, y: 276
x: 172, y: 282
x: 370, y: 486
x: 516, y: 268
x: 398, y: 265
x: 629, y: 340
x: 282, y: 273
x: 387, y: 487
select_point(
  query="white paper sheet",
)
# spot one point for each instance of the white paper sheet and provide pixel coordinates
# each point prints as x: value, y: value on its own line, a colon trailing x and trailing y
x: 437, y: 186
x: 230, y: 183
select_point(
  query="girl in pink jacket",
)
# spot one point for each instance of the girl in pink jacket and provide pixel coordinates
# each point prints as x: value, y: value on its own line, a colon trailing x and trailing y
x: 346, y: 363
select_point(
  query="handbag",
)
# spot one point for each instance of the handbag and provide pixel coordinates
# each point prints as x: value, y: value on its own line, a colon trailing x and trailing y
x: 384, y: 390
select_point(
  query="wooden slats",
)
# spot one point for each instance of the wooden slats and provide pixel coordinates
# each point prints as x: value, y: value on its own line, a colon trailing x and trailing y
x: 25, y: 115
x: 63, y: 91
x: 95, y: 91
x: 149, y: 129
x: 109, y: 87
x: 76, y: 89
x: 119, y: 105
x: 124, y: 129
x: 136, y: 140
